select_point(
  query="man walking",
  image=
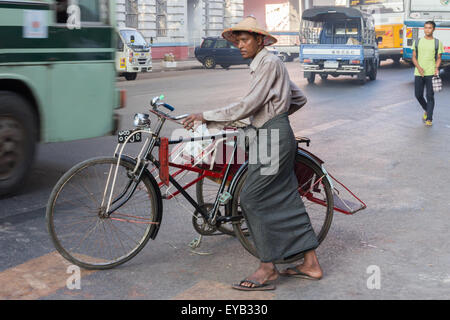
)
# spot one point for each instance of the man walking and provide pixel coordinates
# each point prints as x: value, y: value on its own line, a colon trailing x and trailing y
x: 272, y: 205
x: 427, y: 57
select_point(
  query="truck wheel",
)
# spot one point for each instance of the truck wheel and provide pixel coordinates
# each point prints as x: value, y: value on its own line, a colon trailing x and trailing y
x: 18, y: 136
x: 324, y: 76
x: 130, y: 76
x: 373, y: 71
x: 396, y: 60
x: 362, y: 77
x: 284, y: 57
x: 311, y: 78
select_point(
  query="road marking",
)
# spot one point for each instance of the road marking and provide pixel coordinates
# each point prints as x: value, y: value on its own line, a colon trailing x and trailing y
x: 321, y: 127
x: 391, y: 106
x: 212, y: 290
x: 36, y: 278
x: 336, y: 123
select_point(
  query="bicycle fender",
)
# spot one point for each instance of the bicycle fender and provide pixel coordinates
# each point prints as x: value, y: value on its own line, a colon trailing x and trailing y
x: 318, y: 162
x: 231, y: 189
x: 243, y: 169
x: 159, y: 212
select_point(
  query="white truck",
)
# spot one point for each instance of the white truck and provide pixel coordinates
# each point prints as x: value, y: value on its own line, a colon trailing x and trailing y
x: 288, y: 46
x: 134, y: 54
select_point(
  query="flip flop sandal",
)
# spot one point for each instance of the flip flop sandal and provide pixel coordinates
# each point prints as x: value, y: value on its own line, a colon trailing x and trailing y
x: 256, y: 286
x: 299, y: 274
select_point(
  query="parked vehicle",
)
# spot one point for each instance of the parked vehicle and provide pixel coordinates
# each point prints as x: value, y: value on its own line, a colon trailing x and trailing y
x: 288, y: 47
x: 417, y: 13
x: 338, y: 41
x: 134, y: 54
x: 218, y: 51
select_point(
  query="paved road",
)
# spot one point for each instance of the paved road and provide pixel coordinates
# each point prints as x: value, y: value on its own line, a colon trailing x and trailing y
x: 371, y: 138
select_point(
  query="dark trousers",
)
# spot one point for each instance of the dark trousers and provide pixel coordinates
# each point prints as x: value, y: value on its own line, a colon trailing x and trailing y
x: 427, y: 105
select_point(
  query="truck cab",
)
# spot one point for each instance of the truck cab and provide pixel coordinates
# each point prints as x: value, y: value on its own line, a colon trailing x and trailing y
x: 338, y: 41
x: 134, y: 54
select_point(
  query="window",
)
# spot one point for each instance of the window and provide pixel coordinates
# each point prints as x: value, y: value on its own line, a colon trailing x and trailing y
x: 220, y: 44
x: 90, y: 10
x: 131, y: 14
x: 161, y: 18
x: 379, y: 6
x: 430, y: 6
x: 120, y: 45
x: 138, y: 38
x: 61, y: 11
x: 208, y: 43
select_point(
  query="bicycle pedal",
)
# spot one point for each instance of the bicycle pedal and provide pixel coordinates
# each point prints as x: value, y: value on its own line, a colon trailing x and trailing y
x: 195, y: 243
x: 225, y: 198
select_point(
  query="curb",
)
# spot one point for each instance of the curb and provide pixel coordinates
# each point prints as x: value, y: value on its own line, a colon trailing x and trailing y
x: 181, y: 68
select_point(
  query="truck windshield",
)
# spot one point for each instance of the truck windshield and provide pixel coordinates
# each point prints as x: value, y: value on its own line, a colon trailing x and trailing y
x: 430, y: 5
x: 379, y: 6
x: 138, y: 38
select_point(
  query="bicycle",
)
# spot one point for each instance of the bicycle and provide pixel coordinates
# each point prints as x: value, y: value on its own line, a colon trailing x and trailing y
x: 103, y: 211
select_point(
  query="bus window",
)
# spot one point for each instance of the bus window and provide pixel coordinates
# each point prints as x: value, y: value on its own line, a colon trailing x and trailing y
x: 90, y: 10
x: 61, y: 11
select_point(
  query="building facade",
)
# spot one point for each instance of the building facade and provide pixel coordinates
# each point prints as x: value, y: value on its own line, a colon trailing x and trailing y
x: 281, y: 15
x: 177, y: 26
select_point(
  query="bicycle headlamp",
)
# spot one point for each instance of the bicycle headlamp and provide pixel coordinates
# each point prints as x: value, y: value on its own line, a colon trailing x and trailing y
x: 142, y: 120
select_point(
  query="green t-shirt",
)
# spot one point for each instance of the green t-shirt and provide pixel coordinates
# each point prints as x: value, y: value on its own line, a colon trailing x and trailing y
x: 427, y: 56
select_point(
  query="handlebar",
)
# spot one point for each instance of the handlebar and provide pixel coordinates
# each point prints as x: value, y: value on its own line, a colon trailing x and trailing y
x: 156, y: 103
x: 168, y: 106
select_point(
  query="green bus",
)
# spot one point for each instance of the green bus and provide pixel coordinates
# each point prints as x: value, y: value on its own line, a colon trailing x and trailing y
x: 57, y: 78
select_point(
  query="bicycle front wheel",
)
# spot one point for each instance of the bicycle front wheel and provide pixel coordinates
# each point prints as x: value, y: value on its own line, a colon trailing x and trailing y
x: 76, y: 220
x: 317, y: 197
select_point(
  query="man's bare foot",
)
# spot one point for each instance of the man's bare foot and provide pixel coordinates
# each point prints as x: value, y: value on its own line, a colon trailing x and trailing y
x: 309, y: 268
x: 266, y: 272
x: 310, y: 271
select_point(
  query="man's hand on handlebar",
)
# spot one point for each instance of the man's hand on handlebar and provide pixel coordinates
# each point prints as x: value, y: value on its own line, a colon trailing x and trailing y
x: 189, y: 122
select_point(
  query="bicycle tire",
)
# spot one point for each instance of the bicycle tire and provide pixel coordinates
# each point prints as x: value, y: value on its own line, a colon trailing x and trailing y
x: 116, y: 225
x: 324, y: 226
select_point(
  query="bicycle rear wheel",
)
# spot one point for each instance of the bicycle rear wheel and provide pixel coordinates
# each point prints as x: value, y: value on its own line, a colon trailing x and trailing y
x: 316, y: 194
x: 75, y: 220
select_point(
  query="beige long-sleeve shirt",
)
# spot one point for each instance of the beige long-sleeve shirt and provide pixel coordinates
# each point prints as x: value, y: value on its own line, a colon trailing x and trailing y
x: 271, y: 93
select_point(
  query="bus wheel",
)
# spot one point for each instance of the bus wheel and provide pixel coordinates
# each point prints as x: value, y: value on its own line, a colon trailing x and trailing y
x: 130, y: 76
x: 18, y: 132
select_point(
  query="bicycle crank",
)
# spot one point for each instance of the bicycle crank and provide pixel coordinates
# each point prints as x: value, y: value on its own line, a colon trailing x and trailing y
x: 200, y: 224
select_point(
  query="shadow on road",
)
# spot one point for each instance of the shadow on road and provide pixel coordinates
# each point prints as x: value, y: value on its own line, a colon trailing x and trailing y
x: 389, y: 64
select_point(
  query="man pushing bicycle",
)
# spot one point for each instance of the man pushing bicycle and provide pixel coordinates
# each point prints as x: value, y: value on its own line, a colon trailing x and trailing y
x: 271, y: 203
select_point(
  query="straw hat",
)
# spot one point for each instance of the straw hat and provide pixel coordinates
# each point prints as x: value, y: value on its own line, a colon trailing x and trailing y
x: 249, y: 24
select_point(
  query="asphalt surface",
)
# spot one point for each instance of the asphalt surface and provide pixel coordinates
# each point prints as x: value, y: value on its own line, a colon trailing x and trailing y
x: 371, y: 138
